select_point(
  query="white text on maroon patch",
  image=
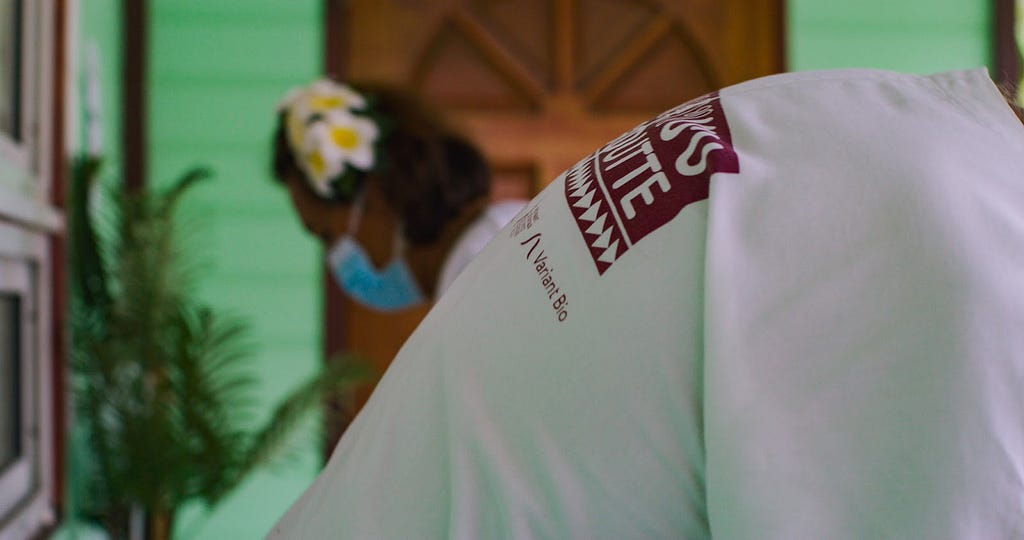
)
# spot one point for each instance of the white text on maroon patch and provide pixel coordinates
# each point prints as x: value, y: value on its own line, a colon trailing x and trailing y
x: 643, y: 179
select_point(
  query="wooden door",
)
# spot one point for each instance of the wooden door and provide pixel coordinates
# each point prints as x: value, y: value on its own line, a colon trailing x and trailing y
x: 540, y: 84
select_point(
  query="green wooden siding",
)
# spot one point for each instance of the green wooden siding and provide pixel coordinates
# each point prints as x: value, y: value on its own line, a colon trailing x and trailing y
x: 99, y: 24
x: 216, y: 72
x: 917, y: 36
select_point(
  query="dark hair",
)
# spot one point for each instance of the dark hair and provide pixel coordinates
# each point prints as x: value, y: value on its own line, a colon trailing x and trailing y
x: 427, y: 173
x: 1010, y: 94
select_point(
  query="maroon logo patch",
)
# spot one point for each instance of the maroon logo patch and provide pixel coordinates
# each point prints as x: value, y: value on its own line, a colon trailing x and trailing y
x: 643, y: 179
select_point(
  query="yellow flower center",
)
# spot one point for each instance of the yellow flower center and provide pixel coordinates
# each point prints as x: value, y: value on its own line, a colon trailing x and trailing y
x: 344, y: 137
x: 322, y: 103
x: 295, y: 132
x: 316, y: 162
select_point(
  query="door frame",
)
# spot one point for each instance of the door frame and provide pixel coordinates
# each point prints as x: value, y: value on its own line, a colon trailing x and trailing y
x: 1006, y: 56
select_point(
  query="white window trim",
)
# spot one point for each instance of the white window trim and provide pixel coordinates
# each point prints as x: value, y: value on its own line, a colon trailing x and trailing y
x: 18, y: 152
x: 27, y: 219
x: 25, y: 487
x: 18, y: 479
x: 25, y: 165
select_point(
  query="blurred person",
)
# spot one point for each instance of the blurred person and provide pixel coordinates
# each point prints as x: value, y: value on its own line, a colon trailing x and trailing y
x: 400, y: 201
x: 791, y: 308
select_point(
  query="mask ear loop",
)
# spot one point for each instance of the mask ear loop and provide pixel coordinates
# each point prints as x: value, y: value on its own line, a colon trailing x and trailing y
x: 398, y: 243
x: 355, y: 215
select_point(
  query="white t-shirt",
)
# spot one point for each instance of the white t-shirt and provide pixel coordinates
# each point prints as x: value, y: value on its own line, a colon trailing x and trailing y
x: 789, y: 309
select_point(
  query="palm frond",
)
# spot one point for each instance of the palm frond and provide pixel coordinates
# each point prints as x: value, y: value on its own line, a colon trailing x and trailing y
x: 169, y: 200
x: 163, y: 382
x: 90, y: 283
x: 338, y: 375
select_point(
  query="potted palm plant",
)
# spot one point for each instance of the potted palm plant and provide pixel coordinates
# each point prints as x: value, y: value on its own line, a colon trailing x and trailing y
x: 161, y: 379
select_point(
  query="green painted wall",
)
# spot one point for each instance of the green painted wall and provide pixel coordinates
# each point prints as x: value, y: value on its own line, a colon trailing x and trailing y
x: 216, y: 71
x: 918, y: 36
x: 99, y: 25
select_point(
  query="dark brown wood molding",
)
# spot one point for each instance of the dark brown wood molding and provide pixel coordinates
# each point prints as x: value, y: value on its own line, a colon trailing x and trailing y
x: 335, y: 49
x: 133, y: 127
x: 1005, y: 53
x: 334, y: 302
x: 58, y: 181
x: 782, y: 44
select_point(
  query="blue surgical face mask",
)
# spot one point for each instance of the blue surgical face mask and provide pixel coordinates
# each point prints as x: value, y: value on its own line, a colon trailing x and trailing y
x: 391, y: 289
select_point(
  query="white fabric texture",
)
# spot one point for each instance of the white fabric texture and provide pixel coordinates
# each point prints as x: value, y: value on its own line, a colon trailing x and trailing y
x: 791, y: 309
x: 473, y: 239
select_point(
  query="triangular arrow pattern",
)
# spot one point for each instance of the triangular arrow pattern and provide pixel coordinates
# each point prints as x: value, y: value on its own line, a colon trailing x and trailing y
x: 609, y: 254
x: 600, y: 201
x: 587, y: 205
x: 573, y: 182
x: 591, y: 213
x: 587, y: 201
x: 581, y: 189
x: 603, y: 240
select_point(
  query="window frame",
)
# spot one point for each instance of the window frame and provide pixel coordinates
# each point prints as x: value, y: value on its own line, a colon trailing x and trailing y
x: 30, y: 224
x: 18, y: 20
x: 14, y: 151
x: 27, y: 485
x: 20, y: 479
x: 25, y: 164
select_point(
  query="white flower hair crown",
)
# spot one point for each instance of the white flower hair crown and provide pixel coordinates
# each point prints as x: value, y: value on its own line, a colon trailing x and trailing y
x: 333, y: 136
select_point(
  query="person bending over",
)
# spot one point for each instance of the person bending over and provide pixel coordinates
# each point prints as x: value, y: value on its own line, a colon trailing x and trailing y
x: 399, y: 200
x: 789, y: 309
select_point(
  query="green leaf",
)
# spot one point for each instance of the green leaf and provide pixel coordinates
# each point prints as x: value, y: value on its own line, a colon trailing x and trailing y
x: 340, y: 374
x: 164, y: 384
